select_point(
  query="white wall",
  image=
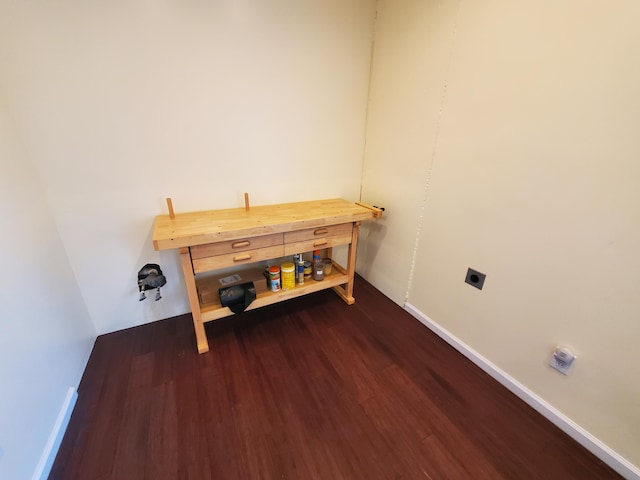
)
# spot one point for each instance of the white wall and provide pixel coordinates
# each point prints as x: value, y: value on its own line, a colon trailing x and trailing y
x: 125, y: 103
x: 46, y: 334
x: 527, y: 157
x: 115, y: 106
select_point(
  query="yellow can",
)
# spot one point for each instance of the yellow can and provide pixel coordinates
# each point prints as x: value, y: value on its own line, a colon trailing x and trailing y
x: 288, y: 276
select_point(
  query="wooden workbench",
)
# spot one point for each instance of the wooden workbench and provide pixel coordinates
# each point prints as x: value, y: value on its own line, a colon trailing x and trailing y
x: 243, y: 239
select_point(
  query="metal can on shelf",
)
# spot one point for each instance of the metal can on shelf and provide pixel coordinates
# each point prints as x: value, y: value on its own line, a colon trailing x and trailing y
x: 308, y: 270
x: 288, y: 276
x: 274, y: 278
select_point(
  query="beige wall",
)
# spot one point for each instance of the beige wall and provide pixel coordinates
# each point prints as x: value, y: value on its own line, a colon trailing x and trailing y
x: 411, y: 55
x: 122, y: 104
x: 513, y: 150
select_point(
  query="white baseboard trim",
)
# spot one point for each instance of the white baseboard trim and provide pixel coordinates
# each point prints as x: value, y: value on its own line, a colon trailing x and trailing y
x: 584, y: 438
x: 55, y: 438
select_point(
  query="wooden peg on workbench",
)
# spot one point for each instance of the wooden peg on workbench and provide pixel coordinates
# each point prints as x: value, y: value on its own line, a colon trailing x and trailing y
x: 246, y: 201
x: 170, y: 205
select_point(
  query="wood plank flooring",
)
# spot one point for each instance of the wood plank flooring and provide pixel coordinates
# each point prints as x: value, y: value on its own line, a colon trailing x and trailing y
x: 307, y: 389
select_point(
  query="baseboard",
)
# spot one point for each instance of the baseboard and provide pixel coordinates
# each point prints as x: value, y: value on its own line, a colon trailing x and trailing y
x: 51, y: 448
x: 584, y: 438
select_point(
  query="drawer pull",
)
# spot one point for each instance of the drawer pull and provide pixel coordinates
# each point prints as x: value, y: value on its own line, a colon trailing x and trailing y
x: 319, y: 243
x: 243, y: 243
x: 321, y: 231
x: 240, y: 258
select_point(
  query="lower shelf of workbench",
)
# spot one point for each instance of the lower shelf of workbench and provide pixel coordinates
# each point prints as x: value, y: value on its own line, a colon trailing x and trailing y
x: 208, y: 286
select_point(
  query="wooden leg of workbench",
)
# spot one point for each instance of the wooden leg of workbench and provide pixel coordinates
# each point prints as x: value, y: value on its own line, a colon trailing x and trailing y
x: 201, y: 334
x: 346, y: 291
x: 190, y: 281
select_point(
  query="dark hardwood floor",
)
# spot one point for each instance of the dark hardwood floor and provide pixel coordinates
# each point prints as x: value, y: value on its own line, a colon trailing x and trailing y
x: 307, y: 389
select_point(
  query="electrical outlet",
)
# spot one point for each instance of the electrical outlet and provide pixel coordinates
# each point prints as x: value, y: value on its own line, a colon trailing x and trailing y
x: 562, y: 359
x: 475, y: 278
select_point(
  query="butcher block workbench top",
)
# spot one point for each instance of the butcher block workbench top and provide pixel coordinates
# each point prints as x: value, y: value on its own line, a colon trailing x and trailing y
x: 198, y: 228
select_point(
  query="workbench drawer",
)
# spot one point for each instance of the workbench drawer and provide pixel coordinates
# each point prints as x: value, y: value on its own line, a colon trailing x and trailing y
x: 216, y: 262
x: 318, y: 233
x: 233, y: 246
x: 317, y: 238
